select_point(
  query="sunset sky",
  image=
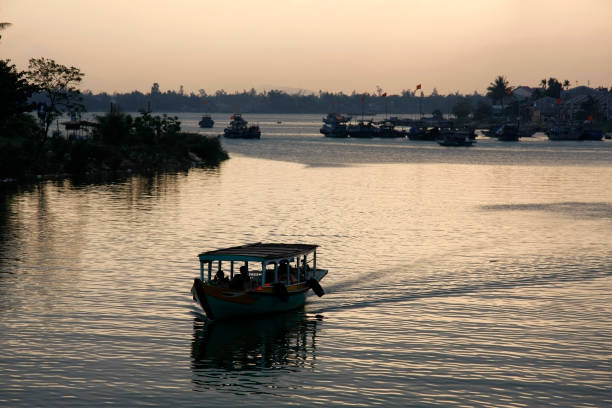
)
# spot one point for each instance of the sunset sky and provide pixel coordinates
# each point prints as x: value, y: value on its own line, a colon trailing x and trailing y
x: 125, y: 45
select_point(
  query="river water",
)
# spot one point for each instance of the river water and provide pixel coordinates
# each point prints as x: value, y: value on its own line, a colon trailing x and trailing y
x: 476, y: 276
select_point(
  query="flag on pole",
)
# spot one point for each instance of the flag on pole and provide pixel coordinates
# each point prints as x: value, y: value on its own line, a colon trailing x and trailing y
x: 384, y: 95
x: 558, y: 101
x: 418, y: 86
x: 362, y: 98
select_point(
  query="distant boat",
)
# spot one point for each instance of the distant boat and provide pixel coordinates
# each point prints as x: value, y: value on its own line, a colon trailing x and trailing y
x: 334, y: 125
x: 206, y: 122
x: 238, y: 129
x: 387, y: 130
x: 592, y: 134
x: 279, y: 122
x: 575, y: 131
x: 363, y: 129
x: 508, y: 133
x: 452, y: 137
x: 424, y: 133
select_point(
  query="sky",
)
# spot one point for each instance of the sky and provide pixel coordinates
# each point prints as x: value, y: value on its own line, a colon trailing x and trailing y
x: 353, y: 45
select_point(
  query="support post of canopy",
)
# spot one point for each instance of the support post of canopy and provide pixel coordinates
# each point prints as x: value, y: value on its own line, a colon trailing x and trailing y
x: 314, y: 263
x: 263, y: 273
x: 209, y: 271
x: 231, y: 269
x: 202, y: 271
x: 275, y: 272
x: 298, y: 269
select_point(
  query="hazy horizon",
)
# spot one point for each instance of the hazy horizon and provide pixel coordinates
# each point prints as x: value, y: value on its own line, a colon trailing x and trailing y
x: 331, y: 46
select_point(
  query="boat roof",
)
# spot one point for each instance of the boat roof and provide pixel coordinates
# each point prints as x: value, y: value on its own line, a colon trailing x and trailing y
x: 258, y: 252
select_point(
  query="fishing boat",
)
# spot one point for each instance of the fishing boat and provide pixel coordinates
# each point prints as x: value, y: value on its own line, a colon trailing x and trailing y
x: 508, y: 132
x: 206, y: 122
x: 456, y: 138
x: 363, y: 129
x: 238, y: 129
x: 387, y: 129
x: 334, y: 125
x: 272, y: 278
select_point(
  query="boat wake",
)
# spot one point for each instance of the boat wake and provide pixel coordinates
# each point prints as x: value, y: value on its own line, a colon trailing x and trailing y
x: 599, y: 210
x: 360, y: 297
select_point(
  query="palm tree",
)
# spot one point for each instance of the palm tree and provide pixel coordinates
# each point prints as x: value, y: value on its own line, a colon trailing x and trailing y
x: 543, y: 83
x: 498, y: 89
x: 566, y: 84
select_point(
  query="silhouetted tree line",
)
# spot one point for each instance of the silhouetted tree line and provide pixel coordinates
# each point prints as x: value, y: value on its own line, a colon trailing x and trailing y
x: 276, y: 101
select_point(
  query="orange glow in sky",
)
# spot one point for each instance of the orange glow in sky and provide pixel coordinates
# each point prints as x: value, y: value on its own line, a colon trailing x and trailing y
x: 452, y: 45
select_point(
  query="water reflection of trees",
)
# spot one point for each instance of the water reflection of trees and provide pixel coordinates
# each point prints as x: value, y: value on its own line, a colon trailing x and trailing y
x: 265, y: 344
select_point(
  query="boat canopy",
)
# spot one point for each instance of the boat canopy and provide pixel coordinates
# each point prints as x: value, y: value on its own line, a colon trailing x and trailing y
x: 257, y: 252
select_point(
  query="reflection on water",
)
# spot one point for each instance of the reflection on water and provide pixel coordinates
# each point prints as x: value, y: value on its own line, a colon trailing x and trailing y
x: 268, y: 344
x: 277, y: 342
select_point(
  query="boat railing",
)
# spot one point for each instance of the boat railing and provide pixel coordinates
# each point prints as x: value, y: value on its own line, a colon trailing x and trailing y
x: 291, y: 271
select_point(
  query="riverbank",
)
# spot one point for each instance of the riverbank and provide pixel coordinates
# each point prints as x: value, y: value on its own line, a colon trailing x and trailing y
x: 118, y: 145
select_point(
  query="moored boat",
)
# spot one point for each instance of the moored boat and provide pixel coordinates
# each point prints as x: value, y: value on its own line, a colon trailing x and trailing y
x: 363, y: 129
x: 508, y: 132
x: 456, y: 138
x: 387, y: 129
x: 206, y: 122
x: 238, y: 129
x: 283, y: 274
x: 334, y: 125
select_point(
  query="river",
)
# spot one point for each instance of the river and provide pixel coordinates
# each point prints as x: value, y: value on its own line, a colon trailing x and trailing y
x: 476, y: 276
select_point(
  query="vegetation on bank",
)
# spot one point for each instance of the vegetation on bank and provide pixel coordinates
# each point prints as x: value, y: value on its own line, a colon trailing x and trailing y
x: 117, y: 142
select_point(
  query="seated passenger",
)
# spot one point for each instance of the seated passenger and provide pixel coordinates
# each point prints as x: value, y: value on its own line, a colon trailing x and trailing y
x: 246, y: 279
x: 220, y: 279
x: 241, y: 281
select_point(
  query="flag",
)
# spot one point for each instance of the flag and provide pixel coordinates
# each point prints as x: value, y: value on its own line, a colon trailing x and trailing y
x: 558, y: 101
x: 384, y: 95
x: 590, y: 118
x: 418, y: 86
x: 362, y: 98
x: 205, y: 102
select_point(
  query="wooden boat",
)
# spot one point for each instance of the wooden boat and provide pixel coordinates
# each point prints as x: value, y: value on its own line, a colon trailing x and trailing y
x: 284, y: 273
x: 508, y: 132
x: 206, y: 122
x: 335, y: 125
x: 239, y: 129
x: 456, y: 138
x: 387, y: 129
x: 363, y: 129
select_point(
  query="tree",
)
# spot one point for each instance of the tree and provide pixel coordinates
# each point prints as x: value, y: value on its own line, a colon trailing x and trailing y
x: 462, y: 108
x: 566, y: 84
x: 554, y: 88
x: 14, y: 92
x: 483, y: 110
x: 57, y: 83
x: 498, y: 89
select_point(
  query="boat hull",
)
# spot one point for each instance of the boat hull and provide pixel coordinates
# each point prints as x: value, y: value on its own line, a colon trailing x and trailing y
x: 222, y: 303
